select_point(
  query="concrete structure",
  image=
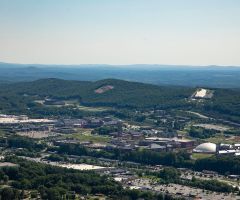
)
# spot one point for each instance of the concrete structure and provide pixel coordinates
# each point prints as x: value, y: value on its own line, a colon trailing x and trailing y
x: 206, y: 148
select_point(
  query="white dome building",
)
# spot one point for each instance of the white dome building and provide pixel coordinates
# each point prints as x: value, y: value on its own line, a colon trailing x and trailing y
x: 206, y: 148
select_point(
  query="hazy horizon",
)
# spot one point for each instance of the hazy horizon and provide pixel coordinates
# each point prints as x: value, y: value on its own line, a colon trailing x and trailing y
x: 140, y: 65
x: 187, y: 32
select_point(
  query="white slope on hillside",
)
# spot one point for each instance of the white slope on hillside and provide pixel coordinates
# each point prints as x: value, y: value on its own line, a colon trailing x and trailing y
x: 201, y: 93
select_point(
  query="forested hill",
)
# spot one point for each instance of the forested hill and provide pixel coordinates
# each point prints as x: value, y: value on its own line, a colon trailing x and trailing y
x: 119, y: 93
x: 123, y: 93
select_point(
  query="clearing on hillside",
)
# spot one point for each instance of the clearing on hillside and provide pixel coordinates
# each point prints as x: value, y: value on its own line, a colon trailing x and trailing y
x: 103, y: 89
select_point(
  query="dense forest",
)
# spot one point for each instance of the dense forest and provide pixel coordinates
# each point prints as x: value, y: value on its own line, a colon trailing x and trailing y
x: 124, y: 93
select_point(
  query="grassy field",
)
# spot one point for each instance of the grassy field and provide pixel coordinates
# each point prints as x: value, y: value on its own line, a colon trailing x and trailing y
x: 183, y: 132
x: 84, y: 135
x: 2, y: 133
x: 91, y: 138
x: 75, y: 103
x: 197, y: 156
x: 92, y: 109
x: 85, y: 131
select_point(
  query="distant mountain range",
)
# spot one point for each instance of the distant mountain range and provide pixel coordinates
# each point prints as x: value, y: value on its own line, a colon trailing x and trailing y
x: 191, y: 76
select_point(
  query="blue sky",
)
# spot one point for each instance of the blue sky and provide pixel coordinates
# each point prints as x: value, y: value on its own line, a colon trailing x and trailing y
x: 203, y: 32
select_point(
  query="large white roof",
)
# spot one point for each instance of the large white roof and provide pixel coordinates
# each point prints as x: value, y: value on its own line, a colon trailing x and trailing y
x: 206, y: 148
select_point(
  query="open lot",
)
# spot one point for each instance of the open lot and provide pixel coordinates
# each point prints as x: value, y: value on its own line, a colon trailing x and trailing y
x: 220, y: 138
x: 213, y: 127
x: 180, y: 190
